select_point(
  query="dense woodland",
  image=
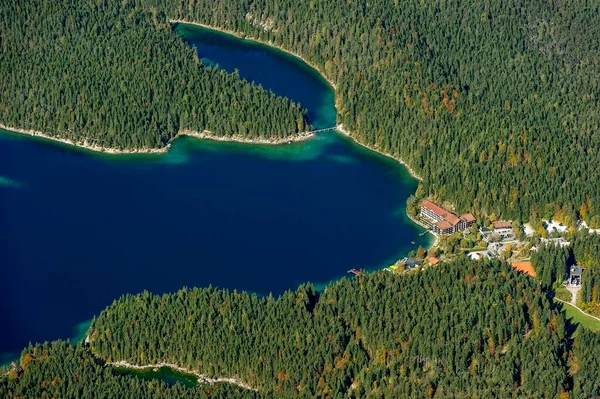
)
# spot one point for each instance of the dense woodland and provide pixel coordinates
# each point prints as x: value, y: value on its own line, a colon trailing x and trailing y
x: 495, y: 102
x: 553, y: 263
x: 59, y: 370
x: 587, y: 253
x: 469, y: 329
x: 461, y: 329
x: 114, y: 74
x: 585, y: 365
x: 456, y: 329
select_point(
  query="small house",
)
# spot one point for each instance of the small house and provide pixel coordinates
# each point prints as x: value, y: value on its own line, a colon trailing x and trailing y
x: 575, y: 276
x: 433, y: 260
x: 503, y: 229
x: 412, y: 263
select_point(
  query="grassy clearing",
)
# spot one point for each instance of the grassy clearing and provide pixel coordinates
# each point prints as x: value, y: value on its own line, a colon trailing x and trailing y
x: 575, y: 316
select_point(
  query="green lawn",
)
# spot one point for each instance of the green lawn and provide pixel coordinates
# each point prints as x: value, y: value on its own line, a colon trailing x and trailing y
x: 575, y: 316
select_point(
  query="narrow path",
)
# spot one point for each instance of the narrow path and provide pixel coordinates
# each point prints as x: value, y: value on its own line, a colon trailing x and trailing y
x: 578, y: 308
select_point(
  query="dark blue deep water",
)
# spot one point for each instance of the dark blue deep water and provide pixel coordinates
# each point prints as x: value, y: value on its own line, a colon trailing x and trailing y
x: 273, y: 69
x: 77, y: 229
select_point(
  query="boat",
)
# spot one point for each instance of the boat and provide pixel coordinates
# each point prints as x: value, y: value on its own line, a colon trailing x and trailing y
x: 354, y: 271
x: 412, y: 242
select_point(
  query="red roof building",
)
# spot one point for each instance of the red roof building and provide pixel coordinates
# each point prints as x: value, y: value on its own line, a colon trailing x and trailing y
x: 467, y: 218
x: 437, y: 210
x: 444, y: 227
x: 501, y: 224
x: 442, y: 221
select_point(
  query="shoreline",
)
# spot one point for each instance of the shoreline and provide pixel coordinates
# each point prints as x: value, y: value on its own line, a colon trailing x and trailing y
x: 253, y: 39
x: 437, y: 237
x: 208, y: 135
x: 202, y: 378
x: 340, y: 126
x: 411, y: 172
x: 83, y: 144
x: 205, y: 135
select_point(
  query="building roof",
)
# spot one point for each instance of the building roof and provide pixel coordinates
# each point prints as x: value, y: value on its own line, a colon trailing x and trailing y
x: 501, y: 224
x: 451, y: 218
x: 467, y: 217
x: 438, y: 210
x: 443, y: 225
x: 433, y: 260
x: 524, y: 267
x: 413, y: 262
x: 576, y: 270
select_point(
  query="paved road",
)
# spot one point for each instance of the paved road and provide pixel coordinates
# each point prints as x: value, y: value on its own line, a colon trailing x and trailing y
x: 574, y: 291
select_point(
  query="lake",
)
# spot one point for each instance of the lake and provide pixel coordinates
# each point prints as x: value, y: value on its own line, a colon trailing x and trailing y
x: 79, y: 229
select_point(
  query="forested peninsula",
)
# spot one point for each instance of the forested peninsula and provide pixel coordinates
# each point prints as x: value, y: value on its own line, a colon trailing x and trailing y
x: 463, y: 329
x: 494, y: 103
x: 112, y: 75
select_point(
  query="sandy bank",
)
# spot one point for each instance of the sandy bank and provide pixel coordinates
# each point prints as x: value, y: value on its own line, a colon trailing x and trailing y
x: 85, y: 144
x: 205, y: 135
x: 208, y: 135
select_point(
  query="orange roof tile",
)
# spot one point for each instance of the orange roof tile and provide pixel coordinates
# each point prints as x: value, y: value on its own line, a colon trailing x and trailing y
x: 451, y: 218
x: 501, y: 224
x: 438, y: 210
x: 524, y: 267
x: 433, y: 260
x: 443, y: 225
x: 467, y: 217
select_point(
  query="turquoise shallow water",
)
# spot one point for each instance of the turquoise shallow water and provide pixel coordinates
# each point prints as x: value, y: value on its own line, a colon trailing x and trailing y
x: 165, y: 374
x: 78, y: 229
